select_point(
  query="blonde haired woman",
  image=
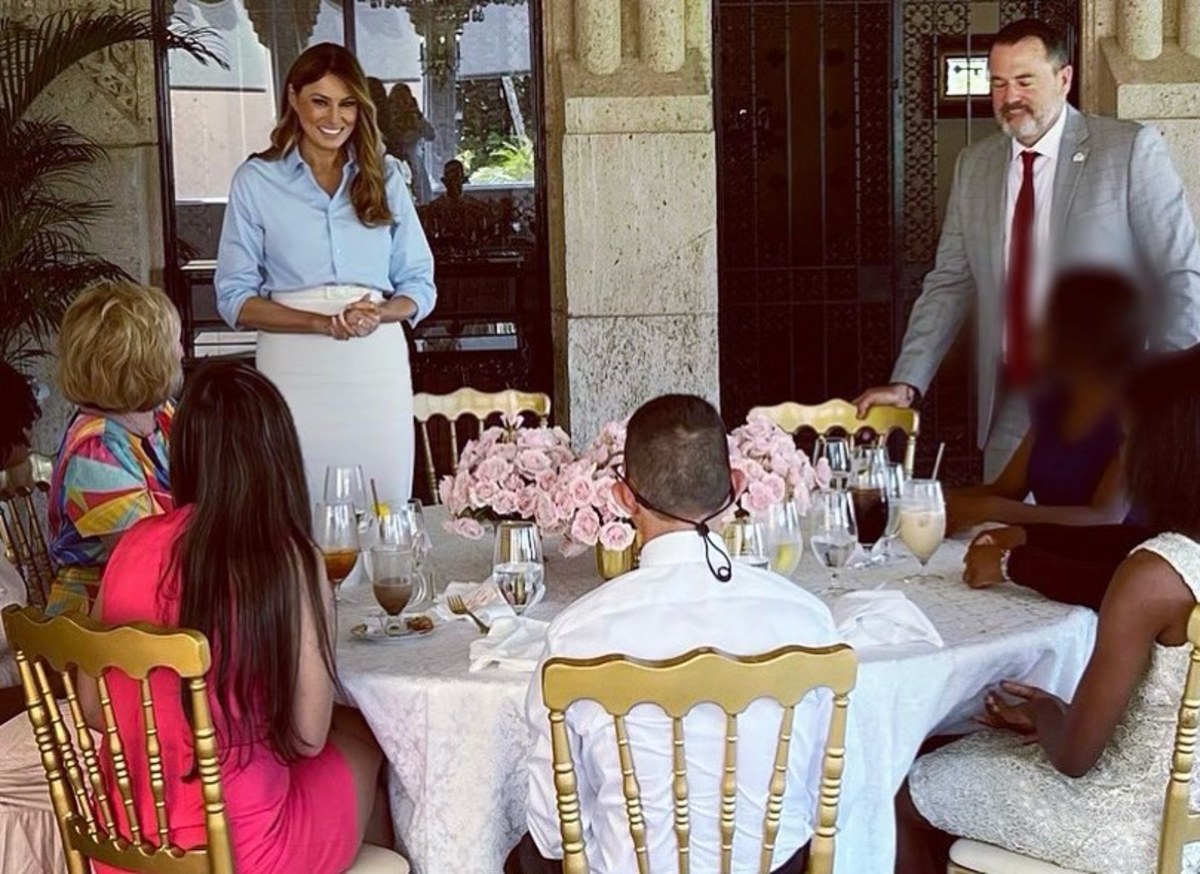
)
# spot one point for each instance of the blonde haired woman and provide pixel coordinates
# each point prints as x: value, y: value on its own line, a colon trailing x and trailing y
x: 119, y: 362
x: 323, y: 254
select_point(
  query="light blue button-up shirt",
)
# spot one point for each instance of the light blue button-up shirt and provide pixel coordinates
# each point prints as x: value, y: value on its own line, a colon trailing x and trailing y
x: 283, y: 232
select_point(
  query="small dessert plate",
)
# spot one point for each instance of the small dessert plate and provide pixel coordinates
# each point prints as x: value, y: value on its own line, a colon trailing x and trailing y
x: 395, y: 631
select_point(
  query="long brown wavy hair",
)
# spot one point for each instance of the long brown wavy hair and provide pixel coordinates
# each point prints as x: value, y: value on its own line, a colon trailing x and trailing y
x: 368, y: 192
x: 247, y: 562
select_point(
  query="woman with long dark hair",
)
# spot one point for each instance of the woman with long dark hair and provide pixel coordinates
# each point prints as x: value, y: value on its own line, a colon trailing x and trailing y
x: 1081, y: 783
x: 236, y: 561
x: 322, y: 252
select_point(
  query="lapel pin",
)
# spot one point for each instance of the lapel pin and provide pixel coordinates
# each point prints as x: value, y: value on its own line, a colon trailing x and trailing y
x: 1079, y: 157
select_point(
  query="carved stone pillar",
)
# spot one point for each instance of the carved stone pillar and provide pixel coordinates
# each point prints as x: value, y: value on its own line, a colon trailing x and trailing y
x: 1189, y: 27
x: 662, y: 29
x: 631, y: 190
x: 1140, y: 28
x: 598, y: 35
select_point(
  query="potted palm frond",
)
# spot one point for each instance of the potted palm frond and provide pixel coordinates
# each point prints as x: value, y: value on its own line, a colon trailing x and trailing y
x: 45, y: 207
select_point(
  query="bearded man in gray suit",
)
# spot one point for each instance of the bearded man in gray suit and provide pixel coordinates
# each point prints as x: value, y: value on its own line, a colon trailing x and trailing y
x: 1057, y: 188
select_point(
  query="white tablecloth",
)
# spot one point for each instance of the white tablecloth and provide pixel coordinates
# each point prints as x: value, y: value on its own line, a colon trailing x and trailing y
x: 457, y: 742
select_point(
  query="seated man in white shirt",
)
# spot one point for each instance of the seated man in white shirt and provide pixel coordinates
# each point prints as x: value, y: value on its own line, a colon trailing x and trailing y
x: 685, y: 594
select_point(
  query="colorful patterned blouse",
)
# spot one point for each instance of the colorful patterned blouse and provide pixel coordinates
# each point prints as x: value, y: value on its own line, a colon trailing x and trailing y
x: 106, y: 478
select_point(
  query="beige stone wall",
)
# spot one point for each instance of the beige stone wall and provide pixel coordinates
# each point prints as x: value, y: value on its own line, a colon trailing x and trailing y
x: 1143, y: 69
x: 633, y: 205
x: 109, y: 97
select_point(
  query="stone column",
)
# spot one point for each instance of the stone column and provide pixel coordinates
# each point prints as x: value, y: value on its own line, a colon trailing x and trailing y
x: 632, y: 212
x: 1141, y: 28
x: 662, y: 33
x: 1189, y: 27
x: 598, y: 35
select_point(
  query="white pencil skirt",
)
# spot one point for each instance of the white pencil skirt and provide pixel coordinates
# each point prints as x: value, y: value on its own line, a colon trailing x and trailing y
x: 352, y: 400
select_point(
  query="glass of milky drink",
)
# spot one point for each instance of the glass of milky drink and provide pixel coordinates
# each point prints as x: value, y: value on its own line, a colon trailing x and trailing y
x: 393, y: 577
x: 923, y: 521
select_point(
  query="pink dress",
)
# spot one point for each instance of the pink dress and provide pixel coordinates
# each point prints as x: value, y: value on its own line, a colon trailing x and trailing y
x: 282, y: 817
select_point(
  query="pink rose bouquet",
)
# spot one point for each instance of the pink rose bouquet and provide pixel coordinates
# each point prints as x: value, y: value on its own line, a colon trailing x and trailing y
x: 583, y: 501
x: 509, y: 472
x: 776, y: 469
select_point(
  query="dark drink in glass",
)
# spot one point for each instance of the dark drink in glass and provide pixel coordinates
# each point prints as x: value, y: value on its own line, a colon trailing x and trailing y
x: 871, y: 514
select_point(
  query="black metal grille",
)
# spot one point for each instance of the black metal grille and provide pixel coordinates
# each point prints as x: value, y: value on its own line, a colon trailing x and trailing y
x: 828, y: 137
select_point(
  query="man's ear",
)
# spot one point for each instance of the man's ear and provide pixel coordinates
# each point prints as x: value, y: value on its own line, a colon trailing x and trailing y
x: 738, y: 479
x: 624, y: 496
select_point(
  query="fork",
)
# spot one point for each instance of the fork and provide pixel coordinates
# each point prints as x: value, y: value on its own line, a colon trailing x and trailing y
x: 459, y: 608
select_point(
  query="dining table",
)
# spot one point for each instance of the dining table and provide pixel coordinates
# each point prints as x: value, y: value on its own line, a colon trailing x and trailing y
x: 456, y: 740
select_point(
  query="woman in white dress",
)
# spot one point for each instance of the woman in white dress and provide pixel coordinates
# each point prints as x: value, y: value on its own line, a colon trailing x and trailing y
x: 322, y: 252
x: 1082, y: 784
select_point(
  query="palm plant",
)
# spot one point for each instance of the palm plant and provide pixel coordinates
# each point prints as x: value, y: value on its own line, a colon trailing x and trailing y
x: 45, y: 207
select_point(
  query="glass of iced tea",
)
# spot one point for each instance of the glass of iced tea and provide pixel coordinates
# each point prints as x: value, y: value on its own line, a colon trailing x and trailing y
x: 335, y: 530
x: 393, y: 576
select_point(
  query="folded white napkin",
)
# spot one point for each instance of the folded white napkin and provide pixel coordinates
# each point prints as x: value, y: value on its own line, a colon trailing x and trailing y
x: 514, y: 644
x: 483, y: 599
x: 882, y: 617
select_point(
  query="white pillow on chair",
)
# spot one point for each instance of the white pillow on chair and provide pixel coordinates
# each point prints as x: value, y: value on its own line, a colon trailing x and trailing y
x: 987, y: 859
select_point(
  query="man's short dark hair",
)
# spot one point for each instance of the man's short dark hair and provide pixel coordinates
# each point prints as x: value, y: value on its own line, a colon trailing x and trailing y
x: 1162, y: 452
x: 1053, y: 40
x: 18, y: 411
x: 677, y: 456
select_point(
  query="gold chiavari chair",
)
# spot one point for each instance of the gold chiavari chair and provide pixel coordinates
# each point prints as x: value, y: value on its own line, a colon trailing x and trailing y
x: 618, y: 684
x: 838, y: 414
x: 1180, y: 824
x: 479, y: 406
x: 21, y: 532
x: 69, y: 753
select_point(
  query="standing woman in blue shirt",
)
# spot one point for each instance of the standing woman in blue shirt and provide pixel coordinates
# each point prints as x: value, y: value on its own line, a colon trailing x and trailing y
x: 323, y: 254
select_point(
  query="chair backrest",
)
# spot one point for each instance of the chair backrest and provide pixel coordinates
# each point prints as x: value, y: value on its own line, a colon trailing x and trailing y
x: 838, y: 414
x: 479, y: 406
x: 21, y: 533
x: 618, y: 684
x: 78, y: 790
x: 1181, y: 825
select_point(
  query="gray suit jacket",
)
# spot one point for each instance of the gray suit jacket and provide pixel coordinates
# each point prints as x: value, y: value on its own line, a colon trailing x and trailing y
x: 1117, y: 201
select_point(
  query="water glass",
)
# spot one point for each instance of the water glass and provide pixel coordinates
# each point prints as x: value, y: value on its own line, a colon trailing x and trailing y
x: 344, y: 484
x: 746, y: 541
x: 833, y: 533
x: 517, y: 565
x: 836, y: 452
x: 923, y: 521
x: 894, y: 489
x: 785, y: 539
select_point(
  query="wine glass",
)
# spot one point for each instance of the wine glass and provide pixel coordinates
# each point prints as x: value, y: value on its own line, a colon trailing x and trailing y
x: 393, y: 570
x: 923, y: 522
x: 746, y: 542
x: 836, y: 452
x: 894, y: 491
x: 517, y: 565
x: 833, y: 534
x: 344, y: 485
x: 336, y: 532
x: 785, y: 540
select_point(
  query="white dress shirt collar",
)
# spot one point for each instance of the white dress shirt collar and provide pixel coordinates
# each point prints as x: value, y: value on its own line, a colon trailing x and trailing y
x: 679, y: 547
x: 1050, y: 143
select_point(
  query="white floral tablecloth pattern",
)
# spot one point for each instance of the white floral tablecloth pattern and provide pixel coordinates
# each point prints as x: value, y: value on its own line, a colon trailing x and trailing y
x: 456, y: 742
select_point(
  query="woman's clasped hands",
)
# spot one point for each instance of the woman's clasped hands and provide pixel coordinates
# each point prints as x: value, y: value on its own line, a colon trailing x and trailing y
x: 359, y: 319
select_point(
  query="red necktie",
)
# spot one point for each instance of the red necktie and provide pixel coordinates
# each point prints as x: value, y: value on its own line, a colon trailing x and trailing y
x: 1020, y: 262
